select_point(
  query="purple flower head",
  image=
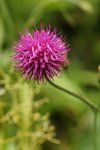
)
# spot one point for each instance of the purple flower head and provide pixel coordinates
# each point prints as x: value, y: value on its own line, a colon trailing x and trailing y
x: 40, y: 54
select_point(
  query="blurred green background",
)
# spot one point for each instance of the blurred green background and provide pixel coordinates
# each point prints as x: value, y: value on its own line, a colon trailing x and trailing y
x: 39, y: 117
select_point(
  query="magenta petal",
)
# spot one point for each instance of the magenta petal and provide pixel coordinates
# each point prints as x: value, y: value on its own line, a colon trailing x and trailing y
x: 40, y: 54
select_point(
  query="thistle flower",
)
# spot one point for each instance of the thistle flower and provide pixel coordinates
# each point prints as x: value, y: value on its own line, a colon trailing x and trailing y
x: 40, y: 54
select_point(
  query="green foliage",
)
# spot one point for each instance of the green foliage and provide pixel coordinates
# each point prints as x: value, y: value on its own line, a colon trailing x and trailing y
x: 23, y: 121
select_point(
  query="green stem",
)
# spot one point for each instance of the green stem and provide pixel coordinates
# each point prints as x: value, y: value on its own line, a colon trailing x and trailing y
x: 90, y: 104
x: 94, y: 131
x: 95, y: 119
